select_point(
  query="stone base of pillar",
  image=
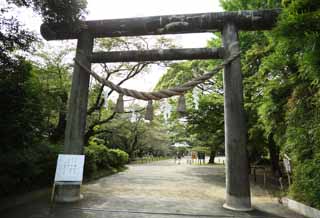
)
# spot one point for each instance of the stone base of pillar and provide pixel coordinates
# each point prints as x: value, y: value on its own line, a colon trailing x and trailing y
x: 65, y: 193
x: 238, y: 203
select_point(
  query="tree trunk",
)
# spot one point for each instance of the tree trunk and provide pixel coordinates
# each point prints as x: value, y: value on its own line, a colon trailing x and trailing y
x: 58, y: 132
x: 133, y: 146
x: 212, y: 156
x: 87, y: 136
x: 274, y: 156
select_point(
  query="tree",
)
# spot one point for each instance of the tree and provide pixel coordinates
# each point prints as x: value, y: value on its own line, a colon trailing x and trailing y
x: 135, y: 136
x: 204, y: 125
x: 17, y: 92
x: 283, y: 89
x: 122, y: 72
x: 58, y: 11
x: 26, y: 156
x: 296, y: 54
x: 207, y: 123
x: 255, y: 46
x: 53, y: 70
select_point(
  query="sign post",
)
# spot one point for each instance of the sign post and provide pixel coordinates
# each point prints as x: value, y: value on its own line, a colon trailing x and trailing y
x: 287, y: 167
x: 69, y: 172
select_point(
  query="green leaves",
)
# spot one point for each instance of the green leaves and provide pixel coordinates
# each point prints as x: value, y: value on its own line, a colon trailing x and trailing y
x: 56, y: 11
x: 305, y: 187
x: 281, y: 81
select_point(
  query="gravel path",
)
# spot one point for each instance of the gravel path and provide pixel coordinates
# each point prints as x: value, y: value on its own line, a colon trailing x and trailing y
x: 155, y: 190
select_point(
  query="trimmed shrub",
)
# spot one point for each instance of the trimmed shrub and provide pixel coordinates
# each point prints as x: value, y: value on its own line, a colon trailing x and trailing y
x: 99, y: 157
x: 118, y: 157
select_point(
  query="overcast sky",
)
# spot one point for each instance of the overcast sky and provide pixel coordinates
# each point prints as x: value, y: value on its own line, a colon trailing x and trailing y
x: 110, y: 9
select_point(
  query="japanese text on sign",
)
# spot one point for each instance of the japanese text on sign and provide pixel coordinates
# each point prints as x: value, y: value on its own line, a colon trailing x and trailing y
x: 69, y: 168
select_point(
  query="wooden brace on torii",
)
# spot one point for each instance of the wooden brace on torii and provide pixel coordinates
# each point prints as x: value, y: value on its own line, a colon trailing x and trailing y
x: 229, y: 23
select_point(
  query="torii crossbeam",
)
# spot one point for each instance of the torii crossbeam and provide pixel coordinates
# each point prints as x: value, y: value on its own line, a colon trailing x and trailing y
x: 228, y: 23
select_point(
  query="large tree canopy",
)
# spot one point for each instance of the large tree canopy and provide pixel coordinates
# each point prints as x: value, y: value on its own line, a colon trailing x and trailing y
x: 56, y: 11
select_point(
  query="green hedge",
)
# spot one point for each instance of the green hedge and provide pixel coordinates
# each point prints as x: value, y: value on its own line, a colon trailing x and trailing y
x: 306, y: 180
x: 27, y: 169
x: 100, y: 158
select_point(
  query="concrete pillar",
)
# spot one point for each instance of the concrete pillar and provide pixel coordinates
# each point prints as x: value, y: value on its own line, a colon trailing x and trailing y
x: 237, y: 178
x: 77, y: 112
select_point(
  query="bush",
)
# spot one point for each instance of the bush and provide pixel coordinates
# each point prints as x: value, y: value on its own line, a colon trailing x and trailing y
x: 118, y: 157
x: 27, y: 169
x: 90, y: 167
x: 306, y: 180
x: 99, y: 157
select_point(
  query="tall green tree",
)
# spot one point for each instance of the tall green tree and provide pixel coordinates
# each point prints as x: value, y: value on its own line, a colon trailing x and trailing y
x: 58, y: 11
x: 296, y: 54
x: 283, y: 90
x: 53, y: 69
x: 25, y: 156
x: 122, y: 73
x: 207, y: 124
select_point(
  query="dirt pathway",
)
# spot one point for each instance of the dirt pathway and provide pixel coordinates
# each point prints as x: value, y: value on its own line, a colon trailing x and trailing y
x: 155, y: 190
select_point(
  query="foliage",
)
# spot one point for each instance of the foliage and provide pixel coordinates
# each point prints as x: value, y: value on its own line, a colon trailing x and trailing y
x: 99, y: 158
x: 201, y: 149
x: 57, y: 11
x: 281, y: 92
x: 306, y: 184
x: 202, y: 126
x: 138, y: 138
x: 281, y: 71
x: 34, y: 96
x: 27, y: 169
x: 98, y: 115
x: 12, y: 37
x: 27, y: 161
x: 294, y: 65
x: 53, y: 71
x: 118, y: 157
x: 207, y: 122
x: 22, y: 117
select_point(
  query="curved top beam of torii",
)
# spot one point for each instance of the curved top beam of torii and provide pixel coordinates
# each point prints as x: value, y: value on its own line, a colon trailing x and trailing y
x: 169, y: 24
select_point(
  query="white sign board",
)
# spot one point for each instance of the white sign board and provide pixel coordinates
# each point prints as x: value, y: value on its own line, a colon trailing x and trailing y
x: 69, y: 168
x: 287, y: 165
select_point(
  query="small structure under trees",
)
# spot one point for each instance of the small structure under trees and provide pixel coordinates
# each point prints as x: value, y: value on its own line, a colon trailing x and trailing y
x: 228, y: 23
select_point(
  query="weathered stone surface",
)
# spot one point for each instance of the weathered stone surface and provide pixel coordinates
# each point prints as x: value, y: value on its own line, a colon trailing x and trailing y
x: 157, y: 55
x: 77, y: 111
x: 237, y: 179
x: 159, y: 25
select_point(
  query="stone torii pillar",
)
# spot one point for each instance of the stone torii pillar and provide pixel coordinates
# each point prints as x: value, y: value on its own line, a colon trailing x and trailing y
x: 77, y: 114
x: 237, y: 175
x: 229, y: 23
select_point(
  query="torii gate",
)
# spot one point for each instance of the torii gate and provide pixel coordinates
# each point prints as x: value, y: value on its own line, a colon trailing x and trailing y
x: 229, y: 23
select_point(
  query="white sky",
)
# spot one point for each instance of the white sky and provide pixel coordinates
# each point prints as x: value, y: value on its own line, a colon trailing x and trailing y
x: 111, y: 9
